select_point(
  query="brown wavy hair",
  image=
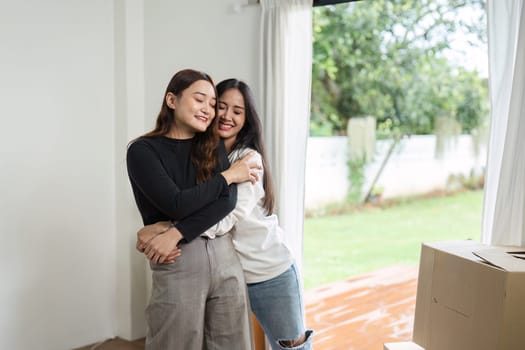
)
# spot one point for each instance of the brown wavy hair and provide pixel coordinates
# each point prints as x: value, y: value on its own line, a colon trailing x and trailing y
x: 251, y: 135
x: 204, y: 149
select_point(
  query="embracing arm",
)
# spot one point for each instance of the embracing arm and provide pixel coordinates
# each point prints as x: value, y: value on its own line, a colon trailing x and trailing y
x: 147, y: 172
x: 157, y: 247
x: 248, y: 195
x: 194, y: 225
x: 159, y: 241
x: 161, y: 246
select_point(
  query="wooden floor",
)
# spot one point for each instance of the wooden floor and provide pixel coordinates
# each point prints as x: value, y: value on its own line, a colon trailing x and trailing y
x: 363, y: 312
x: 359, y: 313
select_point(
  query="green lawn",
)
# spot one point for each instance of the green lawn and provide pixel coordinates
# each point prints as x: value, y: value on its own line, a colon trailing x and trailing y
x: 336, y: 247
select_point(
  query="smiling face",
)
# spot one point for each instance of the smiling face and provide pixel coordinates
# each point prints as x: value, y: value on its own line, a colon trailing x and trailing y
x: 232, y: 115
x: 194, y: 109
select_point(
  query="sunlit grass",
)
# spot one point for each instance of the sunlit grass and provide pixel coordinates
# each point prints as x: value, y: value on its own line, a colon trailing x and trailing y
x: 337, y: 247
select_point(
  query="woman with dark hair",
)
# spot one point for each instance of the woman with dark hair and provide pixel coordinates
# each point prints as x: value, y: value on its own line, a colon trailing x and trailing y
x: 272, y: 277
x: 179, y: 173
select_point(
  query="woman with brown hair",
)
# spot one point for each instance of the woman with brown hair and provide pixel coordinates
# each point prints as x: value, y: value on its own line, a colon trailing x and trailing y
x: 274, y: 286
x: 179, y: 173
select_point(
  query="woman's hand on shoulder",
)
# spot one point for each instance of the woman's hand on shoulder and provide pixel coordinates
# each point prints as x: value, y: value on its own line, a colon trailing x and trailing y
x: 244, y: 169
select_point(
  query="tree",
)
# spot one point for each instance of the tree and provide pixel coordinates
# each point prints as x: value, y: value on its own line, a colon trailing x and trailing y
x: 384, y: 58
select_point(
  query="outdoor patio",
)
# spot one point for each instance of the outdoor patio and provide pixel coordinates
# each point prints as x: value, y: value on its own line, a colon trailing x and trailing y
x: 365, y: 311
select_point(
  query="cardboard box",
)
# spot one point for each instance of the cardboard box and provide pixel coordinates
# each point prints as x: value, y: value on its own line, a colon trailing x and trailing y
x: 470, y: 296
x: 402, y: 346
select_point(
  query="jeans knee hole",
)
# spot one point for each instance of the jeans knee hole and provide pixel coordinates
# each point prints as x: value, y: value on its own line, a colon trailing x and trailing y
x: 294, y: 343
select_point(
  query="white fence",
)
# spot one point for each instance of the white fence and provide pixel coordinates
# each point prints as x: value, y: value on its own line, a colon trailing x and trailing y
x: 413, y: 168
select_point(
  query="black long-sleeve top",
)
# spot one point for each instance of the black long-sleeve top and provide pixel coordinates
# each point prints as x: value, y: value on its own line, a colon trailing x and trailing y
x: 163, y: 180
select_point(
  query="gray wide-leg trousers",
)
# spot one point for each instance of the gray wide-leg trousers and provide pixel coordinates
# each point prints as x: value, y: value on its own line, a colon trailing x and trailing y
x: 200, y: 301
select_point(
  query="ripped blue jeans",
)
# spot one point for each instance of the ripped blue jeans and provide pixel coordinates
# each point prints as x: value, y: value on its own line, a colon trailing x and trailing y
x: 278, y: 306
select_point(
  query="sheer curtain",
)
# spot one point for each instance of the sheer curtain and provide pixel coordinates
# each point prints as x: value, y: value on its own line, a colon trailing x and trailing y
x: 504, y: 204
x: 286, y: 48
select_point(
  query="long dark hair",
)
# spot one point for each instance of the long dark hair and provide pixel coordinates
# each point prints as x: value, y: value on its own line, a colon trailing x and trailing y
x: 204, y: 151
x: 251, y: 135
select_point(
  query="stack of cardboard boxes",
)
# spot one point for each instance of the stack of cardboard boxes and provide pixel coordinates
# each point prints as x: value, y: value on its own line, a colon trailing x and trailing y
x: 470, y: 296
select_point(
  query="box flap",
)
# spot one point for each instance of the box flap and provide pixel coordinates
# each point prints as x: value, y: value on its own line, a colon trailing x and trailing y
x: 506, y: 258
x: 517, y: 254
x: 453, y: 245
x: 461, y: 249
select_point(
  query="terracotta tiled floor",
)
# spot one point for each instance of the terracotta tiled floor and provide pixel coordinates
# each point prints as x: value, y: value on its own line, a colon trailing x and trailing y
x: 359, y: 313
x: 363, y: 312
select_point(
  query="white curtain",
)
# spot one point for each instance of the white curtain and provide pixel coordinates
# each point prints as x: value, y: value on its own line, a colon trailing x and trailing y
x: 286, y: 48
x: 504, y: 204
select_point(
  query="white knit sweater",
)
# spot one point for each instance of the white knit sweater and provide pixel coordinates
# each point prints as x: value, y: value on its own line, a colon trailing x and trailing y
x: 257, y: 237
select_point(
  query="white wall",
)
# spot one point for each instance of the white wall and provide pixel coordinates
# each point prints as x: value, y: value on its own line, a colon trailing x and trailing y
x: 79, y: 79
x: 413, y: 167
x: 326, y: 158
x: 131, y: 290
x: 199, y: 34
x: 57, y: 173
